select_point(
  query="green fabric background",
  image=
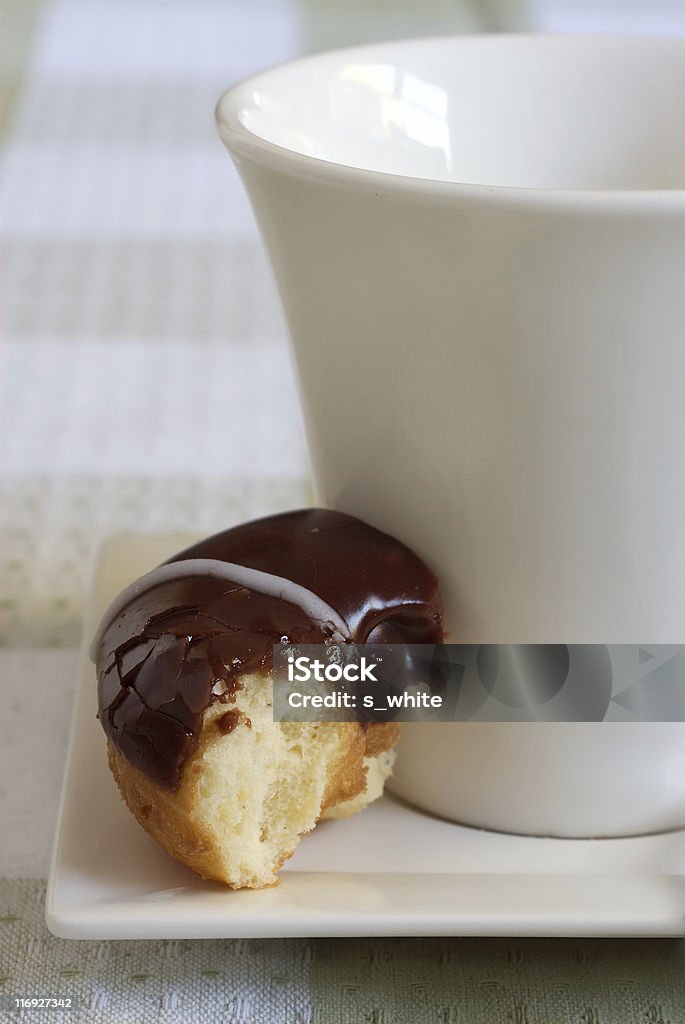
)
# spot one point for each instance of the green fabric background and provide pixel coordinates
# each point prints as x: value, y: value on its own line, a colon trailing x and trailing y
x: 346, y: 981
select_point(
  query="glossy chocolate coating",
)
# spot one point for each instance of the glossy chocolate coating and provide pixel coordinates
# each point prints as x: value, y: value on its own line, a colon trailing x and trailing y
x: 182, y: 644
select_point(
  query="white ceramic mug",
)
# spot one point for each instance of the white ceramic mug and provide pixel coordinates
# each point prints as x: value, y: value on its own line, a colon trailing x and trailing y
x: 480, y: 247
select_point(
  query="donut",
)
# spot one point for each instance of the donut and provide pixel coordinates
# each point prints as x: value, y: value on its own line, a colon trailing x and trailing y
x: 184, y: 660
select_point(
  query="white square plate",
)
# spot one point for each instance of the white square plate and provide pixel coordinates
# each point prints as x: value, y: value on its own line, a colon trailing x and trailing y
x: 391, y: 870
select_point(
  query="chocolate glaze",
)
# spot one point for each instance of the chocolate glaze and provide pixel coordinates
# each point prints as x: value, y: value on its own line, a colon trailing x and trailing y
x: 230, y: 720
x: 182, y: 644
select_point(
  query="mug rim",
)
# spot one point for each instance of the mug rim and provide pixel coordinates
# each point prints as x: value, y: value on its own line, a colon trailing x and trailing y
x: 245, y: 145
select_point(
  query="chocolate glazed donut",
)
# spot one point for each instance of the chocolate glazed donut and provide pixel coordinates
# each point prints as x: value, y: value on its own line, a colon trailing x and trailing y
x: 196, y: 632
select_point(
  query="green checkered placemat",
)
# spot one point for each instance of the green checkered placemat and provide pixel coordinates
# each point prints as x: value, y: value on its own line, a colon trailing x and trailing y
x: 347, y: 981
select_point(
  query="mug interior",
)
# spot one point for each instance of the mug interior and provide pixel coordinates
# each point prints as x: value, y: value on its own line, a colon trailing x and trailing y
x: 542, y: 112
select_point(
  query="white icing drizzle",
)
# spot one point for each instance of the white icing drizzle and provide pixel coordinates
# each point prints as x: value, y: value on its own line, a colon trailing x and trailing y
x: 252, y: 579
